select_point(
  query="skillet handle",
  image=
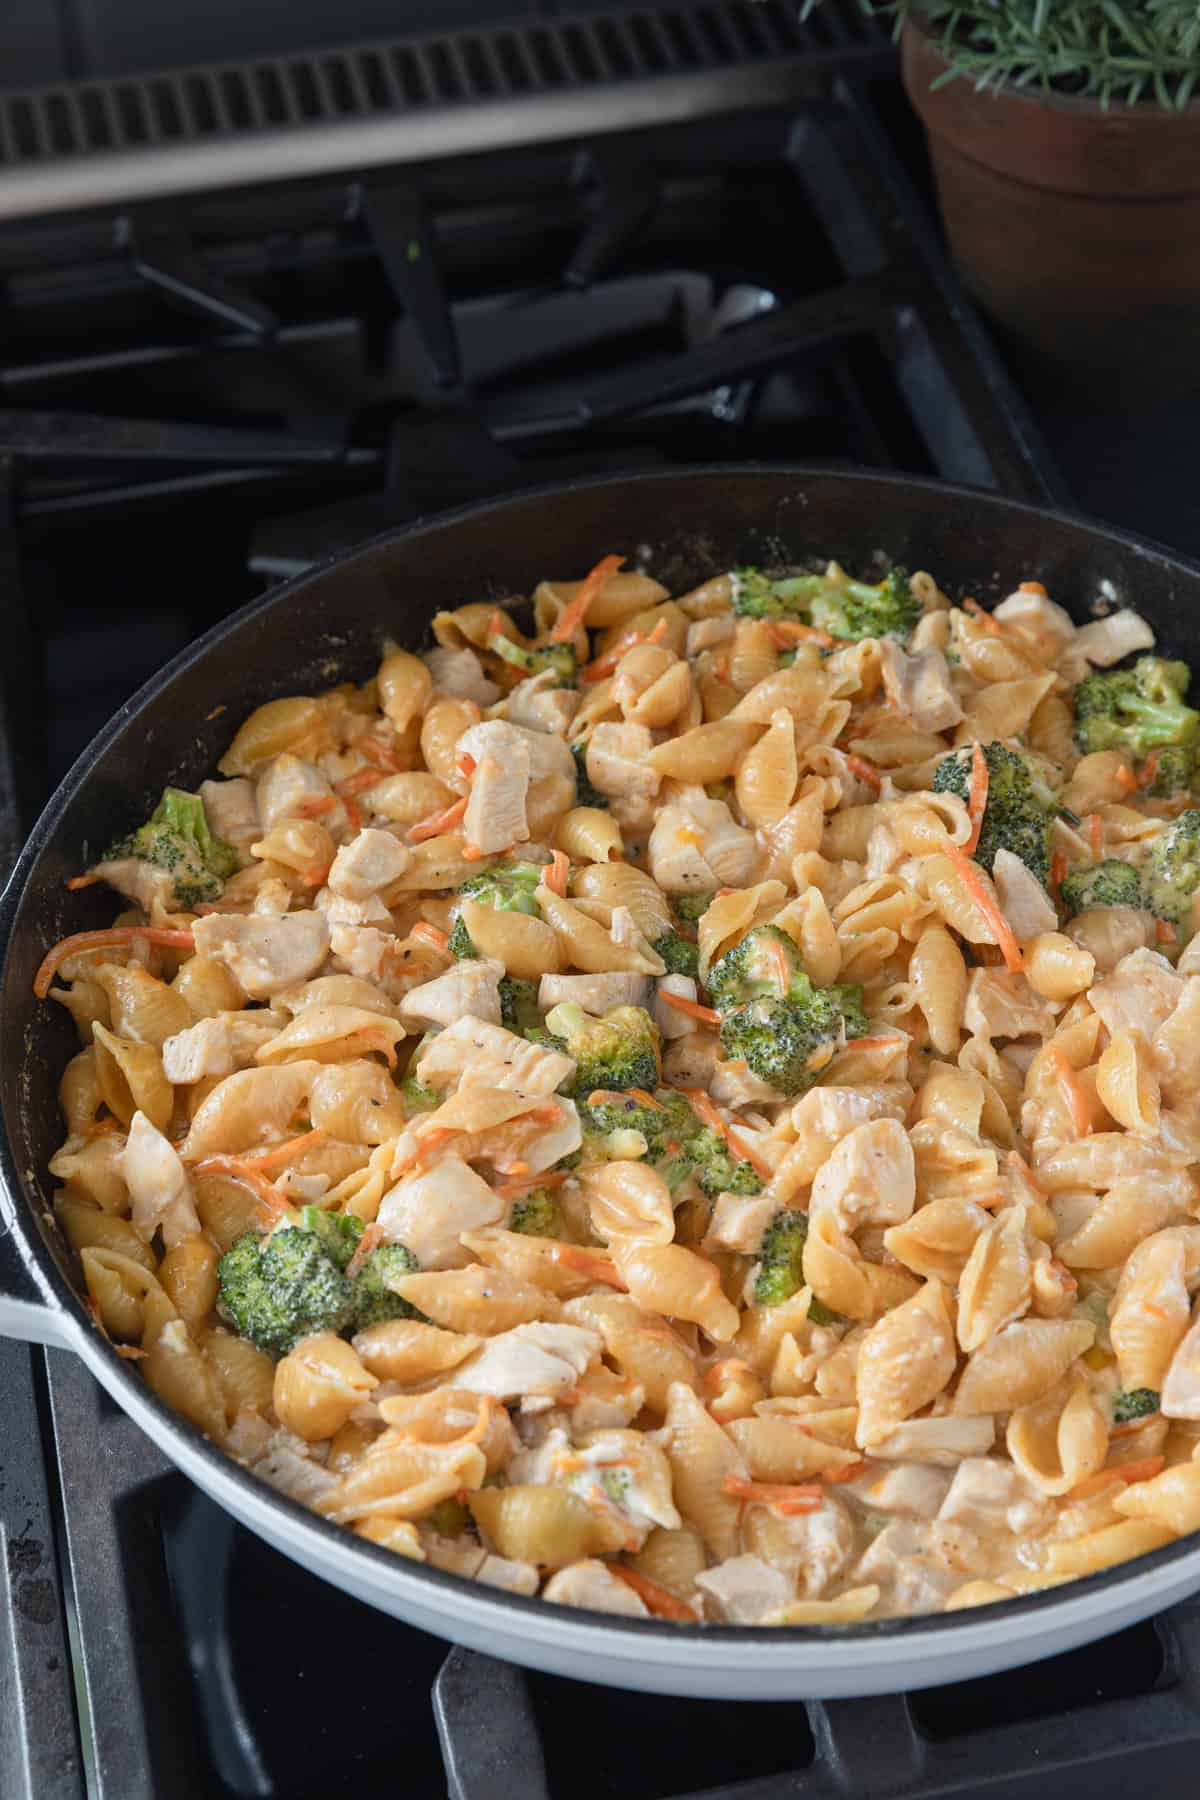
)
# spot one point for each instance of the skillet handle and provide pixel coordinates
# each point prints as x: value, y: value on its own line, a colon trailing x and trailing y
x: 27, y: 1310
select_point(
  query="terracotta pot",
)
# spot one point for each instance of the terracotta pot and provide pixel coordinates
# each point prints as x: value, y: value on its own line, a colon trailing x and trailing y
x: 1077, y: 228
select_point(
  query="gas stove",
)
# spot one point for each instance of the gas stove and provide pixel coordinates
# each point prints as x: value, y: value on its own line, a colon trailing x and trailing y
x: 258, y: 309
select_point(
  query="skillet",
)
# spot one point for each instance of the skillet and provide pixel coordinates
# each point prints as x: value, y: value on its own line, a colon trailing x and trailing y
x: 328, y: 626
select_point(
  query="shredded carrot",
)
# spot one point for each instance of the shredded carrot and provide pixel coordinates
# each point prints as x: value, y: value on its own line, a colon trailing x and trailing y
x: 576, y: 611
x: 114, y: 936
x: 783, y: 632
x: 708, y: 1015
x: 466, y: 765
x: 315, y: 875
x: 433, y: 935
x: 280, y: 1154
x: 381, y: 754
x: 704, y: 1109
x: 858, y: 765
x: 978, y: 797
x: 787, y: 1497
x: 216, y: 712
x: 1058, y: 868
x: 352, y: 813
x: 1145, y: 1470
x: 83, y: 881
x: 1066, y: 1280
x: 427, y: 1141
x: 370, y: 1240
x: 1126, y: 779
x: 657, y: 1600
x: 1032, y: 587
x: 437, y: 822
x: 1132, y: 1425
x: 720, y: 1371
x: 471, y: 853
x: 1156, y: 1312
x: 1095, y: 833
x: 1077, y: 1100
x: 241, y: 1168
x: 985, y: 618
x: 1149, y: 769
x: 555, y: 878
x: 587, y: 1262
x: 1016, y: 1161
x: 521, y: 1184
x: 1125, y: 1473
x: 105, y: 1127
x: 315, y: 806
x: 873, y: 1043
x: 644, y: 1098
x: 848, y: 1472
x: 495, y: 623
x: 354, y: 784
x: 995, y: 920
x: 783, y: 971
x: 1164, y: 931
x: 743, y: 1148
x: 131, y: 1352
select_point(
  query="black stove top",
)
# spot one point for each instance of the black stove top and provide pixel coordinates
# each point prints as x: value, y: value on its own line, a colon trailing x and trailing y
x: 283, y: 368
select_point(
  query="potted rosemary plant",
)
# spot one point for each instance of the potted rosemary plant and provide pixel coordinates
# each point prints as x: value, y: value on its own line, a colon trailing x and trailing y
x: 1065, y: 137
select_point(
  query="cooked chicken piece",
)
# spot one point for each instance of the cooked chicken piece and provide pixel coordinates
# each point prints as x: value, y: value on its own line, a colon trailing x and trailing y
x: 1106, y: 641
x: 743, y: 1589
x: 265, y: 954
x: 470, y: 989
x: 513, y: 1577
x: 910, y: 1561
x: 732, y: 1084
x: 428, y: 1212
x: 159, y: 1190
x: 361, y: 950
x: 670, y: 1021
x: 232, y: 813
x: 1023, y: 900
x: 738, y: 1222
x: 606, y: 1401
x: 336, y: 990
x: 942, y: 1442
x: 555, y: 1139
x: 811, y: 1550
x: 290, y: 788
x: 1045, y: 627
x: 915, y: 1490
x: 548, y: 755
x: 459, y: 673
x: 920, y: 686
x: 697, y: 845
x: 289, y: 1465
x: 868, y: 1179
x: 484, y: 1055
x: 1140, y: 994
x: 539, y: 704
x: 616, y: 762
x: 338, y: 910
x: 1000, y: 1005
x: 596, y: 994
x: 369, y: 862
x: 690, y: 1061
x: 145, y: 884
x: 495, y: 816
x: 830, y: 1113
x: 593, y: 1585
x: 272, y: 898
x: 530, y: 1361
x: 1181, y: 1387
x: 205, y: 1048
x: 990, y: 1496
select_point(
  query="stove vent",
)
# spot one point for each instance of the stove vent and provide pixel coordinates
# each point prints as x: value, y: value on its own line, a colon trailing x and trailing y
x: 178, y: 130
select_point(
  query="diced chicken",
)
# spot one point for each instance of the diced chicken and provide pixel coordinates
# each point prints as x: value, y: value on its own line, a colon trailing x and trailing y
x: 941, y: 1441
x: 1000, y: 1005
x: 829, y: 1113
x: 232, y: 813
x: 470, y: 989
x: 697, y: 845
x: 868, y: 1179
x: 272, y: 898
x: 810, y: 1549
x: 205, y: 1048
x: 1181, y: 1386
x: 512, y: 1577
x: 596, y: 994
x: 144, y: 883
x: 159, y: 1190
x: 743, y: 1589
x: 265, y: 954
x: 459, y: 673
x: 920, y: 686
x: 530, y: 1362
x: 914, y: 1490
x: 340, y: 911
x: 508, y: 743
x: 1106, y: 641
x: 427, y: 1213
x: 539, y: 704
x: 1140, y: 994
x: 361, y: 950
x: 289, y: 1466
x: 557, y: 1138
x: 990, y: 1496
x: 690, y: 1061
x: 1045, y: 626
x: 616, y: 762
x: 739, y: 1221
x: 495, y: 816
x: 290, y: 788
x: 369, y: 862
x: 909, y: 1561
x: 606, y: 1401
x: 593, y: 1585
x: 732, y: 1084
x: 1023, y: 900
x: 483, y: 1055
x: 670, y: 1021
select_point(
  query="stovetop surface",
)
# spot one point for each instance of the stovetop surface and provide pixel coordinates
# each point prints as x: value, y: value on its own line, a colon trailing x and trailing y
x: 759, y: 286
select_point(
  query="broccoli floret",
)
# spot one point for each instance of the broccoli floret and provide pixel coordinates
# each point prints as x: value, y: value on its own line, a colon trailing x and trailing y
x: 717, y: 1169
x: 1135, y: 709
x: 585, y: 793
x: 619, y: 1050
x: 1171, y: 872
x: 461, y: 944
x: 763, y: 965
x: 780, y: 1273
x: 276, y: 1290
x: 338, y: 1232
x: 518, y: 1003
x: 417, y: 1097
x: 787, y: 1042
x: 374, y: 1300
x: 1170, y: 770
x: 537, y: 1215
x: 665, y: 1130
x: 760, y: 596
x: 1107, y: 883
x: 1135, y: 1403
x: 679, y: 953
x: 177, y: 837
x: 857, y: 610
x: 690, y: 907
x: 1019, y: 810
x: 509, y: 887
x: 559, y: 657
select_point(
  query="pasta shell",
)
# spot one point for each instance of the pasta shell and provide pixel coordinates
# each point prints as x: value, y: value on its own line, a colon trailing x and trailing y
x: 331, y: 1034
x: 131, y: 1078
x: 1020, y: 1363
x: 527, y: 947
x: 905, y: 1361
x: 768, y: 772
x: 1061, y: 1439
x: 297, y: 726
x: 318, y: 1384
x: 997, y: 1280
x: 476, y: 1299
x: 701, y: 1456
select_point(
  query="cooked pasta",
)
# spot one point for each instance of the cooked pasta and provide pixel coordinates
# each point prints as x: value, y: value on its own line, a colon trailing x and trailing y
x: 690, y: 1112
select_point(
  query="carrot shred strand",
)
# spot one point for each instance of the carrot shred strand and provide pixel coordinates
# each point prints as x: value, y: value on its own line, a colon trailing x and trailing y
x: 1077, y: 1100
x: 708, y: 1015
x: 977, y: 801
x: 115, y: 936
x: 997, y: 924
x: 656, y: 1599
x: 576, y: 610
x: 437, y: 822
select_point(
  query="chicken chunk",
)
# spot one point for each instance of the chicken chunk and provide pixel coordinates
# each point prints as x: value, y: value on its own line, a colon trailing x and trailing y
x: 484, y: 1055
x: 289, y: 1465
x: 592, y: 1584
x: 1044, y: 625
x: 868, y: 1179
x: 1140, y: 994
x: 232, y: 813
x: 159, y: 1190
x: 369, y: 862
x: 1003, y: 1005
x: 911, y: 1561
x: 509, y: 744
x: 265, y: 954
x: 144, y: 883
x: 671, y: 1022
x: 539, y: 704
x: 616, y: 762
x: 428, y: 1212
x: 697, y: 845
x: 989, y: 1496
x: 290, y: 788
x: 459, y: 673
x: 539, y: 1361
x: 914, y: 1490
x: 205, y: 1048
x: 920, y: 686
x: 469, y: 990
x: 495, y: 817
x: 596, y: 994
x: 361, y: 950
x: 743, y: 1589
x: 739, y: 1221
x: 1023, y: 900
x: 941, y: 1441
